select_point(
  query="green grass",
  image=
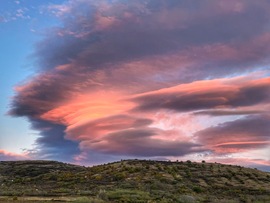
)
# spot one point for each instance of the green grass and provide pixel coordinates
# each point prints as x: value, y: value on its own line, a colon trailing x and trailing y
x: 133, y: 181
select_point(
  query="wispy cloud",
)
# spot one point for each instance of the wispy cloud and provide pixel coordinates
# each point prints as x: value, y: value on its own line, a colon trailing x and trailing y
x: 8, y: 156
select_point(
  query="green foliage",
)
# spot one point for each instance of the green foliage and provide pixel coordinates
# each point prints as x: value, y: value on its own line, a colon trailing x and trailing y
x: 189, y: 162
x: 120, y: 176
x: 134, y: 181
x: 197, y: 189
x: 88, y: 200
x: 186, y: 199
x: 15, y: 198
x: 131, y: 196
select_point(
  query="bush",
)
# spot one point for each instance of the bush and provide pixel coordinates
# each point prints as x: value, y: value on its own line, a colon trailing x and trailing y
x: 187, y: 199
x: 120, y: 176
x: 128, y: 196
x: 88, y: 200
x: 197, y: 189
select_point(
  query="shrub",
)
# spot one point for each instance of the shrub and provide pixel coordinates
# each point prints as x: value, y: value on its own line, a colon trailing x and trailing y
x: 197, y: 189
x: 188, y: 173
x: 98, y: 177
x: 187, y: 199
x: 15, y: 198
x: 128, y: 196
x: 120, y: 176
x: 88, y: 200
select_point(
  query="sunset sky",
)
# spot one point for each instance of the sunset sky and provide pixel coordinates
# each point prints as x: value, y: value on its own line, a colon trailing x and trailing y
x: 95, y: 81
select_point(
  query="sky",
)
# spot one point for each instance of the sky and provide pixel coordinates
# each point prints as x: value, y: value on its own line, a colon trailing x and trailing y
x: 90, y: 82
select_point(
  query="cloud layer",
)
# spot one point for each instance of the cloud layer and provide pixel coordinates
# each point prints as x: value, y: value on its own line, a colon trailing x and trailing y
x: 8, y: 156
x: 113, y: 68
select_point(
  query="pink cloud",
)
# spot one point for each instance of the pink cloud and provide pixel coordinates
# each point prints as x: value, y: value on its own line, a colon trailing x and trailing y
x: 146, y: 78
x: 10, y: 156
x: 247, y: 162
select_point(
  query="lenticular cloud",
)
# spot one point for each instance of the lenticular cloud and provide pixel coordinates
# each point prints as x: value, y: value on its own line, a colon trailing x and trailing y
x: 140, y: 78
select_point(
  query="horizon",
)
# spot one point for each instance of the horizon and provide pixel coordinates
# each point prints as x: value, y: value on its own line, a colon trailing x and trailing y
x: 90, y: 82
x: 146, y: 160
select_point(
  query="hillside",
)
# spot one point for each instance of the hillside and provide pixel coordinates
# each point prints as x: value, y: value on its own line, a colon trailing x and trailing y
x: 133, y: 181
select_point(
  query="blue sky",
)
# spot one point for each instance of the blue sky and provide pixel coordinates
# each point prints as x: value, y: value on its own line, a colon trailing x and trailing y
x: 18, y: 35
x: 89, y: 82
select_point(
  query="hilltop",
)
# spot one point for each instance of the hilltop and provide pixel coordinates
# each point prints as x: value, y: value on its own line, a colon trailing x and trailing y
x: 133, y: 181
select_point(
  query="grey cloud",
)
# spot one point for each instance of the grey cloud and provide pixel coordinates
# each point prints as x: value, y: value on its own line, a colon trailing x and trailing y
x: 147, y: 33
x: 228, y: 112
x: 183, y: 101
x: 51, y: 143
x: 249, y: 132
x: 143, y: 30
x: 92, y: 129
x: 140, y: 142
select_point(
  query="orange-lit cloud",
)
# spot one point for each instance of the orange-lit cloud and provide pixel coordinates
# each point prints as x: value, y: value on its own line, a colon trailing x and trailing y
x: 211, y: 94
x: 148, y: 79
x: 243, y: 134
x: 114, y: 123
x: 9, y: 156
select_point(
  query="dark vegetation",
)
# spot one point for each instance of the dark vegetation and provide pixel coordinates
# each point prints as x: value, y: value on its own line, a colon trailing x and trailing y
x: 133, y: 181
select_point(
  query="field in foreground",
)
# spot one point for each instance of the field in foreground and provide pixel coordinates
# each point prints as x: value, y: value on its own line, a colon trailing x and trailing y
x: 132, y: 181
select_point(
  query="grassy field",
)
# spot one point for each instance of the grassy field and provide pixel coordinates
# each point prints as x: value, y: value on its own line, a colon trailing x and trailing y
x: 132, y: 181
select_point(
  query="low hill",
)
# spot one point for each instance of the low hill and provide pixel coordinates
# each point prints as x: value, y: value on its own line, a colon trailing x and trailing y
x: 133, y: 181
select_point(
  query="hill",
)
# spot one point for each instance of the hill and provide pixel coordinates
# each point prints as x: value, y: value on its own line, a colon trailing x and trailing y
x: 133, y: 181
